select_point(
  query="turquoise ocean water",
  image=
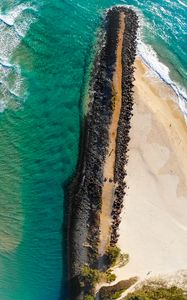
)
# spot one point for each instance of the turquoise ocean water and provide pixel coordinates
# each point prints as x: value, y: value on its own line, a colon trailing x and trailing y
x: 45, y: 51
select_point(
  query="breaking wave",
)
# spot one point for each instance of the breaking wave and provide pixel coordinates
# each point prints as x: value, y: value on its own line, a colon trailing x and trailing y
x: 14, y: 25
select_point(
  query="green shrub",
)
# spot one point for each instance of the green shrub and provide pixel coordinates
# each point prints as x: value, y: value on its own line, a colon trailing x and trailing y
x: 123, y: 259
x: 110, y: 277
x: 117, y: 294
x: 157, y: 293
x: 112, y: 255
x: 90, y: 277
x: 88, y: 297
x: 108, y: 292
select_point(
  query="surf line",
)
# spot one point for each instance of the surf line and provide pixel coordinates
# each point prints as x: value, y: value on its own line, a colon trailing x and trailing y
x: 96, y: 193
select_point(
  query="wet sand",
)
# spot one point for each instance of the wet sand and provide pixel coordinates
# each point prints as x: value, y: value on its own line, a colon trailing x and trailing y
x: 153, y: 230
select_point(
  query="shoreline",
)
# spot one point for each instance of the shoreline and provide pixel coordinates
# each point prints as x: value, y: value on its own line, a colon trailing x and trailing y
x: 85, y: 191
x: 161, y: 72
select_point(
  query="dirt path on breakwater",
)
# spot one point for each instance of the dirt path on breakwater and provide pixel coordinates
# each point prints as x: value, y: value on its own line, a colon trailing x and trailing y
x: 108, y: 169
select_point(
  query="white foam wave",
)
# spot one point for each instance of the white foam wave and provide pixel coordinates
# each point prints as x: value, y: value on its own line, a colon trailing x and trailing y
x: 182, y: 3
x: 23, y: 24
x: 12, y: 15
x: 4, y: 62
x: 3, y: 105
x: 14, y: 25
x: 9, y: 40
x: 11, y: 81
x: 158, y: 69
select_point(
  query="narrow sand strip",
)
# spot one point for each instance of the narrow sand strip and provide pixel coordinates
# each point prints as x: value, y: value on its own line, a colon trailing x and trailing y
x: 108, y: 171
x: 153, y: 230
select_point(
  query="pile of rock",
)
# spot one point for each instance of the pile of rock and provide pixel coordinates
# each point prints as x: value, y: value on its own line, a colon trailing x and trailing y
x: 129, y: 53
x: 85, y: 192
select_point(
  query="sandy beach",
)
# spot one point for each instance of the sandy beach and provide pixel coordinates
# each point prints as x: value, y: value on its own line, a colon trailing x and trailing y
x: 153, y: 230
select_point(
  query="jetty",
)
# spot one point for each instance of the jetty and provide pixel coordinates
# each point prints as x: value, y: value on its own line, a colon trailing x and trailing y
x: 96, y: 193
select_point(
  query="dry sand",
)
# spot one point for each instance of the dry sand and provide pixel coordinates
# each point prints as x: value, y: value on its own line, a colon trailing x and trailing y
x: 153, y: 230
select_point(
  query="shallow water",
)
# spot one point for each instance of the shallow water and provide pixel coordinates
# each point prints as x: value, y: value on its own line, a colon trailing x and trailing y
x: 45, y: 50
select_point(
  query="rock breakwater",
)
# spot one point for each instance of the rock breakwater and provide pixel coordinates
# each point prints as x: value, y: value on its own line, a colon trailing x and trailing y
x: 85, y: 191
x: 128, y: 57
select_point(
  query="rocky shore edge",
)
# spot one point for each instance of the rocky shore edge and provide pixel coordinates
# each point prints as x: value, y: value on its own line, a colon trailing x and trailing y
x: 85, y: 191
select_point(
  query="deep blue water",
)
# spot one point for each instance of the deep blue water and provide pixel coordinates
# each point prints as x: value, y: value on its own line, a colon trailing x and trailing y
x: 45, y: 50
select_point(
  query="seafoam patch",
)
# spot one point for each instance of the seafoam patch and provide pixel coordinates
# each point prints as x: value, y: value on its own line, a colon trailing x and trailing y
x: 14, y: 24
